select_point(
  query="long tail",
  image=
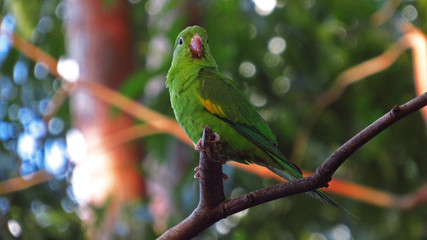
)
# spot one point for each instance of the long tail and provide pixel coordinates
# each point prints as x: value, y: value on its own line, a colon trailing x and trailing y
x: 288, y: 171
x: 326, y: 199
x: 292, y: 174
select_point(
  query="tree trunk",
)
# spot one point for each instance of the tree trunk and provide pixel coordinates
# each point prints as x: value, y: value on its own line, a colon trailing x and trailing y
x: 99, y: 39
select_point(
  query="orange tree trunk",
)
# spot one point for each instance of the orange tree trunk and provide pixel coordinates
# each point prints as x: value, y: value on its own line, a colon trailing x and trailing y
x: 99, y: 39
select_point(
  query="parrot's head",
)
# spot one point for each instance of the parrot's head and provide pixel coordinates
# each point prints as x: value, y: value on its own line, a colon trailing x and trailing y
x: 191, y: 46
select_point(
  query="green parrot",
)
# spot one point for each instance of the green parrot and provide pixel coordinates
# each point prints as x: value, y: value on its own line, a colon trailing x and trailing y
x: 202, y: 96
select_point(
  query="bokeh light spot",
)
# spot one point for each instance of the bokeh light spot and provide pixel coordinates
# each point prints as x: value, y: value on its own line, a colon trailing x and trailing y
x: 68, y: 205
x: 5, y: 47
x: 44, y: 107
x: 317, y: 236
x: 3, y: 109
x: 12, y: 112
x: 81, y: 190
x: 5, y: 130
x: 258, y: 99
x: 20, y: 72
x: 7, y: 89
x: 56, y: 125
x: 154, y: 7
x: 341, y: 232
x: 159, y: 49
x: 25, y: 115
x: 281, y: 85
x: 39, y: 210
x: 154, y: 88
x: 222, y: 227
x: 8, y: 24
x: 271, y: 60
x: 69, y: 69
x: 45, y: 24
x: 264, y: 7
x: 61, y: 10
x: 56, y: 161
x: 4, y: 205
x: 14, y: 227
x: 40, y: 71
x: 26, y: 169
x: 37, y: 128
x: 76, y: 145
x: 26, y: 145
x: 247, y: 69
x: 277, y: 45
x: 410, y: 12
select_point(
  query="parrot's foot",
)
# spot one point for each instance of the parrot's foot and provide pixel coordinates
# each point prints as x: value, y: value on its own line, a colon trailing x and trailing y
x: 197, y: 174
x: 217, y: 137
x: 198, y: 147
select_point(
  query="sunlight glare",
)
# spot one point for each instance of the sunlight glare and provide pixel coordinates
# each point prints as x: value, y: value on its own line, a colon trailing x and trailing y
x: 81, y: 188
x: 69, y: 69
x: 92, y: 180
x: 26, y: 145
x: 14, y: 227
x: 56, y: 161
x: 264, y: 7
x: 76, y: 145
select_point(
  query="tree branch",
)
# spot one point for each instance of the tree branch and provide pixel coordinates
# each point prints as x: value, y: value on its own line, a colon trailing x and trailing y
x: 211, y: 194
x: 348, y: 148
x: 213, y: 207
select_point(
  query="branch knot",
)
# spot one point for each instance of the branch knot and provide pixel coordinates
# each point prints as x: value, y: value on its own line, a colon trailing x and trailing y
x: 395, y: 110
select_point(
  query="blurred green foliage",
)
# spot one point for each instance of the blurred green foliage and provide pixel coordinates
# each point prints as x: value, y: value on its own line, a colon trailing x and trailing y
x: 321, y: 39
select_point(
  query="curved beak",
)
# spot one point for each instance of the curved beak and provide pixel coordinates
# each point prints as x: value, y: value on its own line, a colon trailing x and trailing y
x: 196, y: 46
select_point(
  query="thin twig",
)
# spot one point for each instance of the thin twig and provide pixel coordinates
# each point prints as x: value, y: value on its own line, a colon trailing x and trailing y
x: 24, y: 182
x: 123, y: 136
x: 418, y: 41
x: 387, y: 10
x: 133, y: 108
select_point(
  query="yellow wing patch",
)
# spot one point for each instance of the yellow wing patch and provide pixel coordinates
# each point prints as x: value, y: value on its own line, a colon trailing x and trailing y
x: 212, y: 108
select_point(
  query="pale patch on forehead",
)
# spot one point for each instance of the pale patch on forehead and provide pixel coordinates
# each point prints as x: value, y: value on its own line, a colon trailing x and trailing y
x: 191, y: 31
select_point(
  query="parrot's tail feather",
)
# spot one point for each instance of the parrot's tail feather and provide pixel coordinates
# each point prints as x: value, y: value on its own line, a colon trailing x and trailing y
x: 288, y: 175
x: 326, y: 199
x: 315, y: 193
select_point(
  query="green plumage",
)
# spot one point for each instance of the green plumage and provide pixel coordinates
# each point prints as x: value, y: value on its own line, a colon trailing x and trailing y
x: 202, y: 96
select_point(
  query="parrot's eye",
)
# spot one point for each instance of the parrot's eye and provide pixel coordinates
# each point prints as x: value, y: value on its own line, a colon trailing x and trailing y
x: 180, y: 41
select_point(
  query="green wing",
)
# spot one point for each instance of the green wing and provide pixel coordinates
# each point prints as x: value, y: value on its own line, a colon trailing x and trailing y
x: 221, y: 97
x: 223, y: 92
